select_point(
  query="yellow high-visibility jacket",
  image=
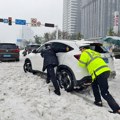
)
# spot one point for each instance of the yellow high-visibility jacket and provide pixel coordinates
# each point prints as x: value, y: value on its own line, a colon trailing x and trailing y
x: 94, y: 63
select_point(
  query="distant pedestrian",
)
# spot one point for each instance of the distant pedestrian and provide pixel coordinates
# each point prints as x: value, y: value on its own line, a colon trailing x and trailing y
x: 50, y: 61
x: 100, y: 72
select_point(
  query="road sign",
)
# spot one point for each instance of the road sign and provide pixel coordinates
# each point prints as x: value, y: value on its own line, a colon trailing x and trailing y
x: 38, y: 23
x: 5, y: 20
x: 33, y: 22
x: 20, y: 22
x: 19, y: 40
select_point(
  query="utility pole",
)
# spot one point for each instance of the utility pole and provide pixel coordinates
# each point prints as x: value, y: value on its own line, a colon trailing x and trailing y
x: 56, y: 32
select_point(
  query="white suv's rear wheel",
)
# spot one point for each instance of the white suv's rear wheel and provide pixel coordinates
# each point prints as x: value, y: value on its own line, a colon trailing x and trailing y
x: 65, y: 79
x: 27, y: 66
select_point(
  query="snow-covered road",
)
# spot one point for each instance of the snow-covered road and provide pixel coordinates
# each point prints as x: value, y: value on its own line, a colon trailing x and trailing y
x: 24, y: 96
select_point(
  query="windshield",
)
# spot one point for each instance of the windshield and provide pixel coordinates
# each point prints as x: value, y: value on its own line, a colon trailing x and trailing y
x: 8, y: 46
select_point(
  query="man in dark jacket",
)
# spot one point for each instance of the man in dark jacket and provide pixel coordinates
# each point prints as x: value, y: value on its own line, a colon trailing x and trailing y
x: 50, y: 61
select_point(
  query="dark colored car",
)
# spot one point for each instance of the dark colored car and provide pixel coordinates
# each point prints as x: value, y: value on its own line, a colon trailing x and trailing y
x: 29, y: 48
x: 9, y: 52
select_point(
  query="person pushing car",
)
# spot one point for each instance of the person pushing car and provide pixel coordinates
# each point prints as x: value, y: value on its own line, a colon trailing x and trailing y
x: 99, y: 71
x: 50, y: 61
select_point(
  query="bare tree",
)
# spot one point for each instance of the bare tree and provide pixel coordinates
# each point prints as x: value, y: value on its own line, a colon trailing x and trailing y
x: 38, y: 39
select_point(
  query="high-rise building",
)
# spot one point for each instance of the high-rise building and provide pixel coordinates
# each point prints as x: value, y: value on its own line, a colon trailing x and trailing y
x: 72, y: 16
x: 26, y: 34
x: 97, y: 17
x: 92, y: 18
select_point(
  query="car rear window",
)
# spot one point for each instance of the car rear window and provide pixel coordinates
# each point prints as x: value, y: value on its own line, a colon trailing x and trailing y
x: 98, y: 48
x: 8, y: 46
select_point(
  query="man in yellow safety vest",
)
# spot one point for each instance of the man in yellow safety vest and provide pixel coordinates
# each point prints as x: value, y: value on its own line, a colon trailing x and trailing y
x: 100, y: 72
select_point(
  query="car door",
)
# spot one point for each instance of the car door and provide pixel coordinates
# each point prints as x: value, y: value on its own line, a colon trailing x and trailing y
x: 36, y: 59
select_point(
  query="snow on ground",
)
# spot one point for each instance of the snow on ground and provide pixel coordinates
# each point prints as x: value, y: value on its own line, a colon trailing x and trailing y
x: 24, y: 96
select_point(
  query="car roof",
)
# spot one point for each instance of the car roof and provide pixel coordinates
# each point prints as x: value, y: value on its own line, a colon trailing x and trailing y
x: 62, y: 41
x: 7, y: 44
x: 73, y: 42
x: 33, y: 45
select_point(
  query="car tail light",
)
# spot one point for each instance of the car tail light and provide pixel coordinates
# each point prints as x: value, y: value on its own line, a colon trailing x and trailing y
x: 16, y: 50
x: 1, y: 50
x: 77, y: 56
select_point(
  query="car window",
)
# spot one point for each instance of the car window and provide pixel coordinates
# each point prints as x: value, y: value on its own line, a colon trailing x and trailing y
x: 8, y: 46
x: 32, y: 46
x: 58, y: 47
x: 40, y: 48
x: 98, y: 48
x: 61, y: 47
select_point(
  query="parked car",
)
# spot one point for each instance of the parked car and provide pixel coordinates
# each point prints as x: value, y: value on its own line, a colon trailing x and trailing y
x: 9, y: 51
x: 116, y: 52
x: 29, y: 48
x: 68, y: 73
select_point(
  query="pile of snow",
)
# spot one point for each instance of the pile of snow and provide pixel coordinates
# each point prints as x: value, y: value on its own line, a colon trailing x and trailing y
x: 24, y: 96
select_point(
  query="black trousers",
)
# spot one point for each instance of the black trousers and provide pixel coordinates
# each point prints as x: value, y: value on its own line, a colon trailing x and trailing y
x: 101, y: 84
x: 51, y: 76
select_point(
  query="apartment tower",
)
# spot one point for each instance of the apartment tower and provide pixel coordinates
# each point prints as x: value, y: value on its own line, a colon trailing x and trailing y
x: 72, y: 16
x: 97, y: 17
x: 92, y: 18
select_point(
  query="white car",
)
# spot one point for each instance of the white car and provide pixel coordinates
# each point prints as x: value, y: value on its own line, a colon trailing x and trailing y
x: 68, y: 73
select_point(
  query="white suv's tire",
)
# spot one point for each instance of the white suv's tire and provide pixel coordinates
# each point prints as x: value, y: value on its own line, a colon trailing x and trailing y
x: 65, y: 79
x: 27, y: 66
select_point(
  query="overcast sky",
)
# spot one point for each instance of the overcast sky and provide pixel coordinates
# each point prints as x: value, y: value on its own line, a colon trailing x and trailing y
x: 46, y: 11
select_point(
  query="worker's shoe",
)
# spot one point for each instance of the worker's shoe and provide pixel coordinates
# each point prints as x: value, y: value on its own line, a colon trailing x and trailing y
x: 57, y: 92
x: 118, y: 112
x: 98, y: 103
x: 47, y: 81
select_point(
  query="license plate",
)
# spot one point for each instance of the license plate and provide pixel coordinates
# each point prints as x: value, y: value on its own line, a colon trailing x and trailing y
x: 6, y: 55
x: 105, y: 59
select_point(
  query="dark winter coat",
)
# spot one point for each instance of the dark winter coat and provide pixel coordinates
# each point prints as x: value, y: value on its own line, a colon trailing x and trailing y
x: 50, y: 57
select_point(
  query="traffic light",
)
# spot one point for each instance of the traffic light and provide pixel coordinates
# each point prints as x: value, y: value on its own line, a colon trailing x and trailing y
x: 1, y: 20
x: 49, y: 25
x: 9, y: 20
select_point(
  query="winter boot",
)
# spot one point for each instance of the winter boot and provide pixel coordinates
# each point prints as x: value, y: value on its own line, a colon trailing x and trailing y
x: 98, y: 103
x: 57, y: 92
x: 47, y: 81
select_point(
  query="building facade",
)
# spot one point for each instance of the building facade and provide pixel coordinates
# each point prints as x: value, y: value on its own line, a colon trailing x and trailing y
x: 97, y: 17
x: 92, y: 18
x: 72, y: 16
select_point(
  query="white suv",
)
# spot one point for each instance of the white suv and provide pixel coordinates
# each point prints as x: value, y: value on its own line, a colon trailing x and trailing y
x: 68, y: 73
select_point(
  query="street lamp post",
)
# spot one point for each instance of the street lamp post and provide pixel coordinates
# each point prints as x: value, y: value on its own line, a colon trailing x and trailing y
x: 56, y: 32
